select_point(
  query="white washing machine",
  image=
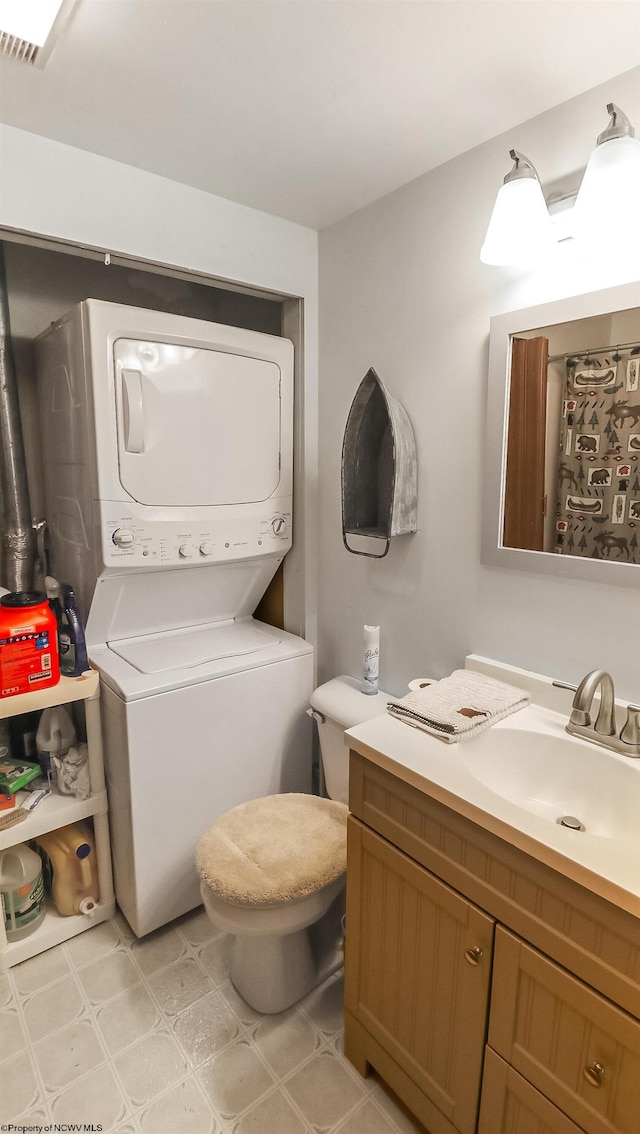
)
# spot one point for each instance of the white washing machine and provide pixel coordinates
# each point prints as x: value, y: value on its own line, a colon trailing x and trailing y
x: 167, y: 446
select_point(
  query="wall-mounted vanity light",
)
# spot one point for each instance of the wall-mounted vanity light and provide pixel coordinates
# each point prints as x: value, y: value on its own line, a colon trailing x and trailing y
x: 608, y: 204
x: 606, y: 212
x: 520, y: 229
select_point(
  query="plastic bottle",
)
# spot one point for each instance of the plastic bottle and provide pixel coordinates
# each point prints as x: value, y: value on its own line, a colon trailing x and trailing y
x: 52, y: 588
x: 21, y: 891
x: 70, y: 868
x: 28, y: 643
x: 5, y: 739
x: 370, y: 659
x: 22, y: 732
x: 54, y: 736
x: 72, y: 644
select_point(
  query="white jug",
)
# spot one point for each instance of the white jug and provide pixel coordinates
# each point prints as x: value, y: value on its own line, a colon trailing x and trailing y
x: 21, y: 891
x: 55, y: 735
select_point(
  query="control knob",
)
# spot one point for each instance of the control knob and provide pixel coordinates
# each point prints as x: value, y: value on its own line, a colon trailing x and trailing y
x: 186, y: 550
x: 206, y: 548
x: 278, y: 525
x: 123, y: 538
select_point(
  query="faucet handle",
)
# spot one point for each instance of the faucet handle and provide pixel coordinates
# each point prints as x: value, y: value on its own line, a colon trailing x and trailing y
x: 631, y: 729
x: 578, y: 716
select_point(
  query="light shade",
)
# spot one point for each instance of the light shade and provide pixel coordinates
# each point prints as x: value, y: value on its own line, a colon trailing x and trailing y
x: 607, y: 209
x: 520, y: 231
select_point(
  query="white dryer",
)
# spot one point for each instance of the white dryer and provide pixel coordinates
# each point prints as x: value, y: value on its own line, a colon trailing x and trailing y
x: 167, y: 446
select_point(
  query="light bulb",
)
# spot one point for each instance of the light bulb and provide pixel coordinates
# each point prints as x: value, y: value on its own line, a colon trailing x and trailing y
x: 520, y: 231
x: 607, y: 209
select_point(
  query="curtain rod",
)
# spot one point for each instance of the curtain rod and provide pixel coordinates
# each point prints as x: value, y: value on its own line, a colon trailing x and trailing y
x: 596, y: 350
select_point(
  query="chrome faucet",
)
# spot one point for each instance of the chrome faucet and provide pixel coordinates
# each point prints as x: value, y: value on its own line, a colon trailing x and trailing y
x: 604, y: 730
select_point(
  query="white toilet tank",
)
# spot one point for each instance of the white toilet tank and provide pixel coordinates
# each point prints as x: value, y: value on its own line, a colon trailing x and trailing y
x: 342, y: 704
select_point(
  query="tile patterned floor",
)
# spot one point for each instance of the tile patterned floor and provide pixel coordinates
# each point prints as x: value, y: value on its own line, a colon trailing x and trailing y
x: 150, y: 1037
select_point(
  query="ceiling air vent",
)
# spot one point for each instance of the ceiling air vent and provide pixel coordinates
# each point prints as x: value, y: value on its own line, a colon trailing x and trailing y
x: 16, y: 48
x: 29, y: 32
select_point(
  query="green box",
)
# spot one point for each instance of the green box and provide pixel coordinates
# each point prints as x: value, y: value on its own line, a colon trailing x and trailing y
x: 14, y: 776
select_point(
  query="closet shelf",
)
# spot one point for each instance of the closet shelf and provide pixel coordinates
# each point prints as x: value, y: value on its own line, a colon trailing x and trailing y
x: 54, y: 930
x: 56, y: 811
x: 67, y: 689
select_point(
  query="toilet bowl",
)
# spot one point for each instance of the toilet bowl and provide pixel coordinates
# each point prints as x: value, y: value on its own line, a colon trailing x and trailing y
x: 273, y: 870
x: 274, y: 962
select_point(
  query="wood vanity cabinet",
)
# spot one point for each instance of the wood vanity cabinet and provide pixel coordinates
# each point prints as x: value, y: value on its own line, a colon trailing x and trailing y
x: 491, y: 993
x: 420, y: 965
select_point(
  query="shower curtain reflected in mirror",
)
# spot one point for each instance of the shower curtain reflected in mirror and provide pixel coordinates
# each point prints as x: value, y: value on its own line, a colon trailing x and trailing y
x: 597, y: 511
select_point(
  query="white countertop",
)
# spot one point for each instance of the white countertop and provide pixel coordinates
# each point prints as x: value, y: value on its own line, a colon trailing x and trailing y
x: 606, y: 866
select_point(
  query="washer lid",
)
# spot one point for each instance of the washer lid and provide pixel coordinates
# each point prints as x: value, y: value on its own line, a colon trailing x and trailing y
x: 183, y: 649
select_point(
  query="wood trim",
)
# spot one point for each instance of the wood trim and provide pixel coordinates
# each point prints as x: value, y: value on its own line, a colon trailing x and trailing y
x: 362, y: 1050
x: 270, y: 609
x: 524, y: 481
x: 354, y: 890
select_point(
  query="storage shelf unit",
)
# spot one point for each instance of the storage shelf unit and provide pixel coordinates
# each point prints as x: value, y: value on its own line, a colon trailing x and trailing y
x: 59, y: 810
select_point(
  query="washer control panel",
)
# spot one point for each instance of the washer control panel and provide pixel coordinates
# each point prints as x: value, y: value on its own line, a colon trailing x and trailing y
x: 130, y: 540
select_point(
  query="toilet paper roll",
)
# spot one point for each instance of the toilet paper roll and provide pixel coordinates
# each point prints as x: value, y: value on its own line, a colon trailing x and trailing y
x: 421, y: 683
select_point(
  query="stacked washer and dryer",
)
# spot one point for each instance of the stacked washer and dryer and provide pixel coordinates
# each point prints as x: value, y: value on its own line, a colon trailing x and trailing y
x: 168, y: 461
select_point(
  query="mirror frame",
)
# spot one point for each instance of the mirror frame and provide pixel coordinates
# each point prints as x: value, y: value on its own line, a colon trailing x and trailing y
x: 502, y: 330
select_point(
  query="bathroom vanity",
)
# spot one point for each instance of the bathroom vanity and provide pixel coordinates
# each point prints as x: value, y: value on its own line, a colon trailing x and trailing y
x: 493, y: 956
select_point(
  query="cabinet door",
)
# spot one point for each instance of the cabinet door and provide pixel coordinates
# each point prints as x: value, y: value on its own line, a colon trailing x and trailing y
x: 510, y: 1105
x: 418, y: 972
x: 581, y: 1051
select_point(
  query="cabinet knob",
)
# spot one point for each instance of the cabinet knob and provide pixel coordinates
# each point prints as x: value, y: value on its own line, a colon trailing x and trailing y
x: 593, y: 1073
x: 473, y: 955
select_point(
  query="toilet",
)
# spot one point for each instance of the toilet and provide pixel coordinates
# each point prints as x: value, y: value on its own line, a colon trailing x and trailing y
x: 272, y: 870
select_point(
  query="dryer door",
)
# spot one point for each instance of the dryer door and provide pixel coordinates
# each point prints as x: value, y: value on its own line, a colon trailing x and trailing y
x: 196, y: 426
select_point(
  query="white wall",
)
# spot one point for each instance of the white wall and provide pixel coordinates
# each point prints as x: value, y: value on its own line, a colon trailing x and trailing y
x: 403, y: 290
x: 57, y: 191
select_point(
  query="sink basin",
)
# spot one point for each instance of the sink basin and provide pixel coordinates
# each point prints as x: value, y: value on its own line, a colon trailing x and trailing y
x: 519, y: 777
x: 552, y: 774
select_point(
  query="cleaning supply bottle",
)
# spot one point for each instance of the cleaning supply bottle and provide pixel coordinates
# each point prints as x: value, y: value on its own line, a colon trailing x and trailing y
x: 370, y: 659
x: 70, y: 868
x: 54, y: 737
x: 5, y: 739
x: 22, y: 734
x: 72, y: 644
x: 52, y: 588
x: 28, y: 643
x: 21, y: 891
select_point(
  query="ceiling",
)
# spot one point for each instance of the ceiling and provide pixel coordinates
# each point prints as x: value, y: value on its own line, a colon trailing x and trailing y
x: 310, y: 109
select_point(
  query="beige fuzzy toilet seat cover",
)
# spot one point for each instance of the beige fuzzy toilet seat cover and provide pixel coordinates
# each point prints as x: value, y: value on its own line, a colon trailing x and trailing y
x: 274, y: 849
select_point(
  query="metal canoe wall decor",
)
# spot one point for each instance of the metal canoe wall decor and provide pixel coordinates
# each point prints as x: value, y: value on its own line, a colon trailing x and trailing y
x: 379, y: 468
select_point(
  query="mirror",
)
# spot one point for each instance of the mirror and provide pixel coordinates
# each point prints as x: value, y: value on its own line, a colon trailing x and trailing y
x: 562, y: 490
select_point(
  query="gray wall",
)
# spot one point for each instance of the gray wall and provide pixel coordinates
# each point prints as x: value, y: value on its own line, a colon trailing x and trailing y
x: 402, y: 289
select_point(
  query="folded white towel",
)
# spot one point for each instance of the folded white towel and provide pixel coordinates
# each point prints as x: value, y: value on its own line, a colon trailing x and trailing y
x: 460, y: 705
